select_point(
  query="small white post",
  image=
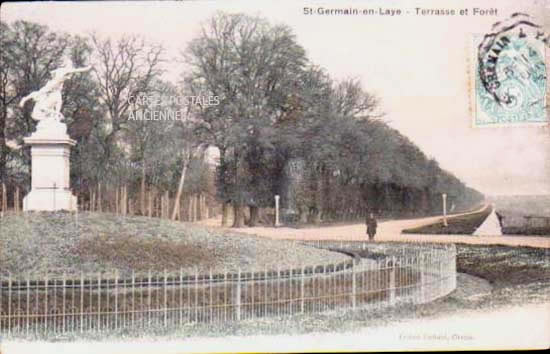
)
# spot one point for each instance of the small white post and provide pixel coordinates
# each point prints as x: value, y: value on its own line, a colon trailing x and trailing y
x: 444, y: 195
x: 277, y: 211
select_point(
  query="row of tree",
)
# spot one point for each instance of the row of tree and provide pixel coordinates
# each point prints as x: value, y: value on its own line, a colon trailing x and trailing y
x: 276, y: 109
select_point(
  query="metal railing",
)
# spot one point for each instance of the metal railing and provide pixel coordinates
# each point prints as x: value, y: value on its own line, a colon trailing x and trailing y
x: 413, y: 274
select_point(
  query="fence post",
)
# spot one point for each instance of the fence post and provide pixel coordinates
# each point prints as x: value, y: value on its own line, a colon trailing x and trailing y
x: 45, y: 303
x: 98, y: 301
x: 302, y: 290
x: 422, y: 278
x: 133, y: 317
x: 392, y: 281
x: 196, y: 294
x: 226, y: 305
x: 277, y: 301
x: 116, y: 299
x: 28, y: 301
x: 238, y: 295
x: 64, y: 282
x: 180, y: 304
x: 9, y: 303
x: 81, y: 302
x: 165, y: 300
x: 353, y: 287
x: 210, y: 295
x: 265, y: 290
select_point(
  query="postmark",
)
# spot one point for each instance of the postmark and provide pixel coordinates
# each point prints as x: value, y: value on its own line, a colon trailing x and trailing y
x: 511, y: 74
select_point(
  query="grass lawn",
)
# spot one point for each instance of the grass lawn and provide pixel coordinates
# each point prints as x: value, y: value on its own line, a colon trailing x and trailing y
x: 457, y: 225
x: 63, y: 243
x: 504, y: 266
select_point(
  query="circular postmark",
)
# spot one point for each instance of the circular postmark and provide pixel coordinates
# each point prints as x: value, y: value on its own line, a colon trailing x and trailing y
x: 511, y: 75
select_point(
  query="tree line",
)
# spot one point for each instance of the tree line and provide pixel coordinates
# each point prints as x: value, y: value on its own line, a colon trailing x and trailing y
x: 281, y: 124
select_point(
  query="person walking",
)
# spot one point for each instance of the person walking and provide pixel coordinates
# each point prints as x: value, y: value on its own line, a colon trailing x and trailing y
x: 371, y: 226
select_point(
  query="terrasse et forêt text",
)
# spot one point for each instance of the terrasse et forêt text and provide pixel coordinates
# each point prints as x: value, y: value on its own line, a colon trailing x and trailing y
x: 417, y: 11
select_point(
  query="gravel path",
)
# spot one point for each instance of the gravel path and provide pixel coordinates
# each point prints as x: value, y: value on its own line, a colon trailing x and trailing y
x: 387, y: 231
x: 490, y: 227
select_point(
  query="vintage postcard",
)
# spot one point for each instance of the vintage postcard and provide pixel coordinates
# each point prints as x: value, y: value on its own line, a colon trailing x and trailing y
x: 274, y: 176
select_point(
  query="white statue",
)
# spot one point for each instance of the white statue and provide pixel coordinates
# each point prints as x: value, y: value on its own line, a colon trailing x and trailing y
x: 48, y: 98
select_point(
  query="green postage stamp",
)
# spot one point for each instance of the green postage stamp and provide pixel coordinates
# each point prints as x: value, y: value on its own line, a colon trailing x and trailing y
x: 510, y: 74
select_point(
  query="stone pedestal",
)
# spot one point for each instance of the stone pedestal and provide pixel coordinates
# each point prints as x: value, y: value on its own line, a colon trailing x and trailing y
x: 50, y: 180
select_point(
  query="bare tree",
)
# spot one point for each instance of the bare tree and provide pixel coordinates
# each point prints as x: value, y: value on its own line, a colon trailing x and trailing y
x: 191, y: 151
x: 124, y: 69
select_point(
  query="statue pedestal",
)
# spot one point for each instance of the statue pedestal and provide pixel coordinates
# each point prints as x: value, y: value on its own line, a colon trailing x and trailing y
x: 50, y: 179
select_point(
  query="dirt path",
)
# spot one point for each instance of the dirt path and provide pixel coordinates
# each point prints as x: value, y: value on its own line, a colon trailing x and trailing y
x: 387, y: 231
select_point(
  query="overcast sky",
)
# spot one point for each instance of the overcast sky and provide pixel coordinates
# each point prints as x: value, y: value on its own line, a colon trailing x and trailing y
x: 418, y: 65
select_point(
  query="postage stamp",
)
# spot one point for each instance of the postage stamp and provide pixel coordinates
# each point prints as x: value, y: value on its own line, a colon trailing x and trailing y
x: 510, y: 74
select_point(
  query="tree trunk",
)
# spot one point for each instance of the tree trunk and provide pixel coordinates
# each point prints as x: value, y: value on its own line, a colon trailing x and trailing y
x: 302, y: 214
x: 201, y: 207
x: 117, y: 201
x: 166, y: 204
x: 4, y: 198
x: 3, y: 146
x: 238, y: 215
x: 317, y: 217
x: 223, y: 187
x: 99, y: 208
x: 16, y: 200
x: 150, y: 206
x: 254, y: 216
x: 194, y: 207
x: 125, y: 200
x: 225, y: 213
x: 158, y: 205
x: 92, y: 200
x: 142, y: 190
x: 161, y: 206
x: 180, y: 189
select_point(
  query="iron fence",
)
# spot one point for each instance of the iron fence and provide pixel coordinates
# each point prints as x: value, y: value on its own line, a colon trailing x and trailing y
x: 413, y: 274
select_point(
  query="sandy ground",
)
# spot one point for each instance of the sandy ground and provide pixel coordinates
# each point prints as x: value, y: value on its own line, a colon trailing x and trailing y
x: 500, y: 329
x: 387, y: 231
